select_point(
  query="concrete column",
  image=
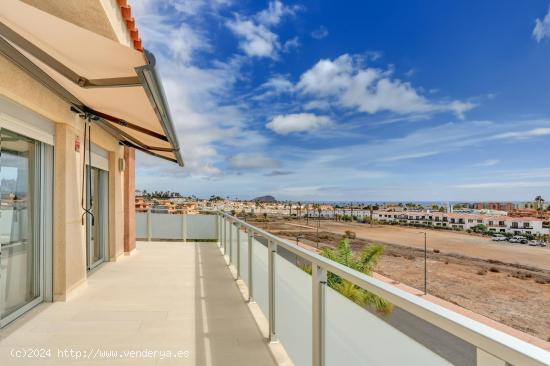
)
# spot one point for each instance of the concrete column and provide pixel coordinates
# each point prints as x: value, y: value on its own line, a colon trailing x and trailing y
x: 129, y: 199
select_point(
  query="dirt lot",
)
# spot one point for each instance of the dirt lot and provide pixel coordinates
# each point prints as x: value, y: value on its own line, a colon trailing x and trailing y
x: 505, y: 282
x: 448, y: 242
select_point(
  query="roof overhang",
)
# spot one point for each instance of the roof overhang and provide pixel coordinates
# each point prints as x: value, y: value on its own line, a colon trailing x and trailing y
x: 94, y: 75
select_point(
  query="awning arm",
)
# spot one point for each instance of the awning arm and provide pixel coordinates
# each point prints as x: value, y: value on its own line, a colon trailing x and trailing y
x: 127, y: 124
x: 14, y: 37
x: 150, y: 81
x: 116, y: 133
x: 120, y: 133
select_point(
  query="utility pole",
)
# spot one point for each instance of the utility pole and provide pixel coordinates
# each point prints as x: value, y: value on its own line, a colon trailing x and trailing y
x: 318, y: 225
x: 371, y: 211
x: 425, y: 264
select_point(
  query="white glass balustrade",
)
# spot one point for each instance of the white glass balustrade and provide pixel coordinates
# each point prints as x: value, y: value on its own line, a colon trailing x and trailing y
x: 319, y: 326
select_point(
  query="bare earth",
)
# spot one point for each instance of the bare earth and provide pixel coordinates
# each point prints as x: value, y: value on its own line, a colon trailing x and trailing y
x: 448, y: 242
x: 508, y: 283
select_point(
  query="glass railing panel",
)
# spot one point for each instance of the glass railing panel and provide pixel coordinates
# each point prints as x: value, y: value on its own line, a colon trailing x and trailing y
x: 233, y: 248
x: 201, y: 227
x: 259, y: 275
x: 141, y: 225
x: 293, y: 318
x: 356, y: 335
x: 243, y: 244
x: 166, y: 226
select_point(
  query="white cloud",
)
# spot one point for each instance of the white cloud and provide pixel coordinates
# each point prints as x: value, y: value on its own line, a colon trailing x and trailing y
x: 422, y: 143
x: 290, y: 44
x: 276, y: 85
x: 320, y: 32
x: 369, y: 90
x: 509, y: 184
x: 317, y: 104
x: 542, y: 27
x: 253, y: 161
x: 256, y: 37
x: 279, y: 84
x: 298, y: 122
x: 257, y: 40
x: 488, y: 162
x: 275, y: 11
x: 196, y: 95
x: 519, y: 135
x: 413, y: 155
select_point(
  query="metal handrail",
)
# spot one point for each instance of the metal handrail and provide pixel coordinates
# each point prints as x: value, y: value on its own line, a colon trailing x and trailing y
x: 493, y: 341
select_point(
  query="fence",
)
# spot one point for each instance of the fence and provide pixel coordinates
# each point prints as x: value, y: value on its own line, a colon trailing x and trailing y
x: 183, y: 227
x: 319, y: 326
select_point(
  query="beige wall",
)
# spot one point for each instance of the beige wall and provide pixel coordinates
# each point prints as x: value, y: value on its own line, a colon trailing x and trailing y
x: 69, y: 246
x: 88, y: 14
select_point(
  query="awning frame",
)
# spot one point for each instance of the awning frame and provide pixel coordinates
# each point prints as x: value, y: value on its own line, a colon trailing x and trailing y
x: 147, y: 77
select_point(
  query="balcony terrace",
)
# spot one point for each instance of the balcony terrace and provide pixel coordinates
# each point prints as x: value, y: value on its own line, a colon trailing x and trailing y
x: 240, y: 296
x: 168, y: 296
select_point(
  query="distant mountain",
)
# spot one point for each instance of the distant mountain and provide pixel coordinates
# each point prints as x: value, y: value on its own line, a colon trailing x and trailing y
x: 265, y: 199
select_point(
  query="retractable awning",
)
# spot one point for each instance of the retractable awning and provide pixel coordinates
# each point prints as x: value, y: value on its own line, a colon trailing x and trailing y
x: 95, y: 75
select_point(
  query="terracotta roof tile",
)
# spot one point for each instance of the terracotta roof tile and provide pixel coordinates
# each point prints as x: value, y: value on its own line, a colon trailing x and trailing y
x: 126, y: 11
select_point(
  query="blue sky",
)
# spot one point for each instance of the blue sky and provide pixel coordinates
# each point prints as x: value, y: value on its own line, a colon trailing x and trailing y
x: 357, y: 100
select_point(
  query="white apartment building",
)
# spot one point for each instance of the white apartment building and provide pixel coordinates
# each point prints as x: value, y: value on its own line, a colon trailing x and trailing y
x: 498, y: 224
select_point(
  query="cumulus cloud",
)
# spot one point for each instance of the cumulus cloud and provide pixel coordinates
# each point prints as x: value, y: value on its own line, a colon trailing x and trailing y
x: 275, y: 11
x: 297, y: 122
x: 256, y: 37
x: 253, y: 161
x: 197, y: 94
x: 276, y: 85
x: 368, y: 89
x: 542, y: 27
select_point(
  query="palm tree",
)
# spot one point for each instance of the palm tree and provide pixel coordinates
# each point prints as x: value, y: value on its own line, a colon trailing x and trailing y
x: 365, y: 263
x: 539, y: 200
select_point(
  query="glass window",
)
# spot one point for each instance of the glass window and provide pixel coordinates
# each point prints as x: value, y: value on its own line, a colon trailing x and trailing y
x: 19, y: 194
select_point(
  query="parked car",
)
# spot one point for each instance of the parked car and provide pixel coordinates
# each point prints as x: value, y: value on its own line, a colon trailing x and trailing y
x: 534, y: 243
x: 498, y: 237
x: 518, y: 239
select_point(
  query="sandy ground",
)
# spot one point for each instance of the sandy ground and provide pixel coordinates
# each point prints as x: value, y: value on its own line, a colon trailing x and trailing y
x: 447, y: 242
x: 499, y: 281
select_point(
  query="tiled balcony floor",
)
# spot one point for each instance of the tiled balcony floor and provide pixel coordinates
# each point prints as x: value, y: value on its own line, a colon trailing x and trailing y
x: 168, y: 296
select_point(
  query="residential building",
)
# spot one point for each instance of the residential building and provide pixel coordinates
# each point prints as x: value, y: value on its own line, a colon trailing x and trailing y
x: 497, y: 206
x: 498, y: 224
x: 78, y: 95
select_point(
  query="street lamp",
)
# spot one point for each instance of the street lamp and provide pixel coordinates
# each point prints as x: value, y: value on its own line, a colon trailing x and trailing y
x: 425, y: 263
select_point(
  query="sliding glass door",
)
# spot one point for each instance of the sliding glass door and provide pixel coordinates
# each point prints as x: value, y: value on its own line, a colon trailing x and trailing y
x: 21, y: 249
x: 97, y: 217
